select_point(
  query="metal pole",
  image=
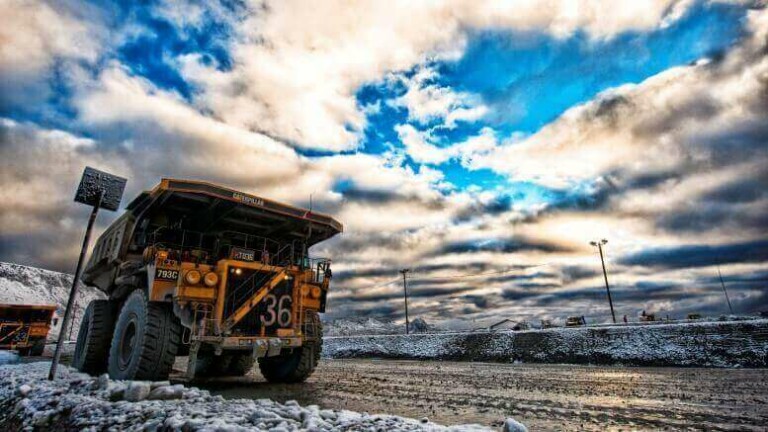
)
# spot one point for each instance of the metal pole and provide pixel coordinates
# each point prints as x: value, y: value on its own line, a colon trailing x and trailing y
x: 722, y: 283
x: 73, y: 292
x: 405, y: 293
x: 605, y: 276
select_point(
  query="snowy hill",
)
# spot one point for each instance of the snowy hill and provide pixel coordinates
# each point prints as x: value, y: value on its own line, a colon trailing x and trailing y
x: 30, y: 285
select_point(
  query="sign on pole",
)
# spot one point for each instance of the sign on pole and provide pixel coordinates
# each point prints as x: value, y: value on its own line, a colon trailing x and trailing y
x: 99, y: 190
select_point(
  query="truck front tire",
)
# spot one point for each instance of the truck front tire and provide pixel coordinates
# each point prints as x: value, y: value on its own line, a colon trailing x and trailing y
x: 94, y: 337
x: 297, y: 365
x: 145, y: 341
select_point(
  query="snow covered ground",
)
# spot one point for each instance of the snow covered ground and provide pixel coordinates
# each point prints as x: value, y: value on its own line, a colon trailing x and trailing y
x: 30, y: 285
x: 718, y: 344
x: 76, y: 401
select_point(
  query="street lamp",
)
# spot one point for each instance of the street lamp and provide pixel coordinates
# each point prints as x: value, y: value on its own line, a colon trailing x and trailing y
x: 405, y: 293
x: 599, y: 246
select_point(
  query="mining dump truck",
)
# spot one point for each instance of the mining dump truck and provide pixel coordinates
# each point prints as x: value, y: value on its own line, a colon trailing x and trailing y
x: 222, y: 276
x: 24, y: 328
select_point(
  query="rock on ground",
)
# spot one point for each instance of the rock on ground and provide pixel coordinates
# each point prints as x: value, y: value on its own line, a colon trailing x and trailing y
x: 76, y: 401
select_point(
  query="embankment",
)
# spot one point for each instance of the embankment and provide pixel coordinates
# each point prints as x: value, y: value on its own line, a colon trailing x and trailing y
x: 710, y: 344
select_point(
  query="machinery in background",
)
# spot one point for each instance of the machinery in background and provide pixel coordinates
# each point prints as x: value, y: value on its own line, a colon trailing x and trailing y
x: 24, y: 328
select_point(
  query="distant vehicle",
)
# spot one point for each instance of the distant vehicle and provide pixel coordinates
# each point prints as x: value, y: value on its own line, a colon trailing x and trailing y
x: 25, y: 327
x: 575, y: 321
x: 545, y: 324
x: 522, y: 325
x: 693, y: 316
x: 644, y: 317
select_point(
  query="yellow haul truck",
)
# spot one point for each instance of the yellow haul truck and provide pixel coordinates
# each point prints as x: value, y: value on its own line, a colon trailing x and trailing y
x: 25, y: 327
x: 222, y: 276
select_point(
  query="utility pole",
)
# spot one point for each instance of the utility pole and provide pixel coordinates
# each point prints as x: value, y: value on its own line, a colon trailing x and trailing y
x: 722, y: 283
x: 405, y: 293
x: 605, y: 274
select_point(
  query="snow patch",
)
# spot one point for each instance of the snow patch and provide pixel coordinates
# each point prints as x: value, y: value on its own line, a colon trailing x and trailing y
x: 80, y: 402
x: 707, y: 344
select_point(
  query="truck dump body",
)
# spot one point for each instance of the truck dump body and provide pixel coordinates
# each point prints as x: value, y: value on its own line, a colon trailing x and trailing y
x: 203, y: 213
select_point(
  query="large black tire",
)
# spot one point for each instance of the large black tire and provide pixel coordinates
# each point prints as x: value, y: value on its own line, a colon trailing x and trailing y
x: 297, y: 365
x: 94, y: 336
x: 145, y: 340
x: 38, y: 348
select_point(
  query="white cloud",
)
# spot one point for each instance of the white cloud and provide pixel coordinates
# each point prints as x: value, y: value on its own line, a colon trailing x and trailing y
x: 35, y: 35
x: 669, y: 122
x: 427, y: 101
x: 297, y: 67
x: 420, y: 146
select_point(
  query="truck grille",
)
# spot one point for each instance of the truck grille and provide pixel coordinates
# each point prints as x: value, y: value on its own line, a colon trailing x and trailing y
x: 240, y: 287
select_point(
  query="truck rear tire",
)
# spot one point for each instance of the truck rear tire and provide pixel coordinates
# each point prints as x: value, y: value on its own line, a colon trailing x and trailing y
x: 145, y: 341
x: 298, y: 365
x: 94, y: 337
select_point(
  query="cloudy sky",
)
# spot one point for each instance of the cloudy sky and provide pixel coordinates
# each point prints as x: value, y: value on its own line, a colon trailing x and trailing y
x: 482, y: 144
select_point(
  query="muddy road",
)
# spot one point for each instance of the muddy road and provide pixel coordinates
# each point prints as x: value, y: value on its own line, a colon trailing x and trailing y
x: 544, y: 397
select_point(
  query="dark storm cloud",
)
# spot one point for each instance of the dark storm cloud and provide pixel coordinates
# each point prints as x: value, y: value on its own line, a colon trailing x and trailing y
x: 518, y: 294
x: 499, y: 204
x: 480, y: 301
x: 384, y: 197
x: 497, y: 245
x: 538, y: 285
x: 561, y: 298
x: 760, y: 277
x: 699, y: 255
x: 574, y: 273
x: 705, y: 217
x: 744, y: 190
x: 415, y: 290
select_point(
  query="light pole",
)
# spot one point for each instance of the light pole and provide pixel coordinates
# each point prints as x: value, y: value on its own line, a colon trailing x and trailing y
x: 722, y: 283
x: 599, y: 246
x: 405, y: 293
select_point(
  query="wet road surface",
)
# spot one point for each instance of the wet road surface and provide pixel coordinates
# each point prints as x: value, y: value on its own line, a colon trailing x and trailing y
x: 544, y: 397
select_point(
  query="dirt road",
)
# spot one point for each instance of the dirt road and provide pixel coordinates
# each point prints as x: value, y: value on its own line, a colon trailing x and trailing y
x: 544, y: 397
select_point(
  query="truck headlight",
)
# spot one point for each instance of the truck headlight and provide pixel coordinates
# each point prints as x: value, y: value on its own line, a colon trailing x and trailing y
x: 304, y: 290
x: 316, y: 292
x: 192, y: 277
x: 211, y: 279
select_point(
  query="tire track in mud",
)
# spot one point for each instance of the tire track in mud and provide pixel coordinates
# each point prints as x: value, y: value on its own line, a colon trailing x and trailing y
x: 544, y: 397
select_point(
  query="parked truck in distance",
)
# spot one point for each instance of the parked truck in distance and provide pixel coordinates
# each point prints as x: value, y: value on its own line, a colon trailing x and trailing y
x: 24, y: 328
x: 575, y: 321
x: 222, y: 276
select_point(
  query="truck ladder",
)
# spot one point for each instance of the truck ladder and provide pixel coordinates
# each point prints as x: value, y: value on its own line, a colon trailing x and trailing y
x: 253, y: 301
